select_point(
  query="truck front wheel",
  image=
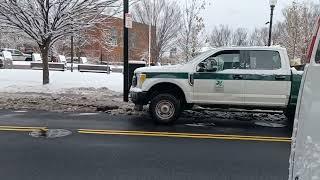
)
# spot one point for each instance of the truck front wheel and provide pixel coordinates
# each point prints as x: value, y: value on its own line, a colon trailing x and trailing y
x: 165, y: 108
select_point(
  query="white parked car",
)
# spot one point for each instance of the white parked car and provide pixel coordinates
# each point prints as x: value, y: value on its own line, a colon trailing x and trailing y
x: 17, y: 55
x: 305, y: 147
x: 5, y: 60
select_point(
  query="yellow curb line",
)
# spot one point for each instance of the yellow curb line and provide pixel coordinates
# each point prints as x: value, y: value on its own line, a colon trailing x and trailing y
x: 229, y: 137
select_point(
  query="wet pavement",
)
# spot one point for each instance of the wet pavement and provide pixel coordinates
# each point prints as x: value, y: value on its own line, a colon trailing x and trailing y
x: 103, y: 146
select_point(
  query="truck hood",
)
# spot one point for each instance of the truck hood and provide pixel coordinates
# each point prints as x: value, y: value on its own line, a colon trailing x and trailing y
x: 173, y: 68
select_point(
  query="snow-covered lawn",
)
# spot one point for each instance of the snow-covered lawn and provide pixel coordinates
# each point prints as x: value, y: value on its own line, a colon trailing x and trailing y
x: 14, y: 80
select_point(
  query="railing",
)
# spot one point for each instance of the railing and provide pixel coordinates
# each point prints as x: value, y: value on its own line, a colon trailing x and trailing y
x: 52, y: 66
x: 94, y: 68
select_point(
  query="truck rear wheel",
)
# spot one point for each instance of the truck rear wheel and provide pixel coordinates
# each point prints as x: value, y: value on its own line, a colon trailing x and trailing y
x: 165, y: 108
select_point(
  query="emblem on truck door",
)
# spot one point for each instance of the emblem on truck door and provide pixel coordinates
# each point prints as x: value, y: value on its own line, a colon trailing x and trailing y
x: 219, y: 84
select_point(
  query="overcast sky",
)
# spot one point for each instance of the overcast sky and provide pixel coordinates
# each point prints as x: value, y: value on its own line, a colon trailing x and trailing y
x: 241, y: 13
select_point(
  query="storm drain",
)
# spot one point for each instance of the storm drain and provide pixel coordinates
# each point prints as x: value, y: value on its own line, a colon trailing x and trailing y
x: 50, y: 133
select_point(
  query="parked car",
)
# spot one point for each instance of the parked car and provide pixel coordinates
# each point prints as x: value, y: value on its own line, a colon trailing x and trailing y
x: 242, y: 77
x: 17, y: 55
x: 305, y: 147
x: 5, y: 60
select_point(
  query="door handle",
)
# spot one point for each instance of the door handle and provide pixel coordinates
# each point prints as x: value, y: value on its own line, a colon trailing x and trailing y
x: 280, y: 77
x: 237, y: 76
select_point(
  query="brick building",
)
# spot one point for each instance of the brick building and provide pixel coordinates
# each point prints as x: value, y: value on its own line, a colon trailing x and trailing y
x: 106, y: 41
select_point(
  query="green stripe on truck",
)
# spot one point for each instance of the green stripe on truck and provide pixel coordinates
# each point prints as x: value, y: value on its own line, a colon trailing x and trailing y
x: 218, y: 76
x: 167, y: 75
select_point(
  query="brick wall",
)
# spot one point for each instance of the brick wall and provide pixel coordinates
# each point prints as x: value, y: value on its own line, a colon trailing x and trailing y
x: 109, y: 41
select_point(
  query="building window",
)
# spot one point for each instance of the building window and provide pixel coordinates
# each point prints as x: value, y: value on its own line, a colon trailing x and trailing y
x: 113, y: 37
x: 132, y: 40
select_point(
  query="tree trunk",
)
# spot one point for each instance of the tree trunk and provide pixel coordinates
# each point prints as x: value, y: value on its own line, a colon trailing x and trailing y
x: 44, y: 53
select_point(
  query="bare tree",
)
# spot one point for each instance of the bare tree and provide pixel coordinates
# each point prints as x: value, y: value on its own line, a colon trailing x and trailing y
x: 240, y: 37
x: 190, y: 41
x: 221, y: 36
x: 297, y: 27
x: 259, y: 37
x: 47, y: 21
x: 165, y: 16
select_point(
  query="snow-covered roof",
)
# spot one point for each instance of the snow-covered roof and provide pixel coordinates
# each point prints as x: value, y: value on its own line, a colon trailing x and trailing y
x: 276, y: 48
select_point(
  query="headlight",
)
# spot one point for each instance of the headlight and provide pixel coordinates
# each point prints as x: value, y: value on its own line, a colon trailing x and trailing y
x: 141, y: 78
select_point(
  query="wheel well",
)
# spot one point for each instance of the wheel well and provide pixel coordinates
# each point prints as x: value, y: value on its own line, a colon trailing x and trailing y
x: 169, y: 88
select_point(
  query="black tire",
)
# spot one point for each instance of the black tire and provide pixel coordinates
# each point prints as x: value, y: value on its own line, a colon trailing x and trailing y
x: 165, y: 108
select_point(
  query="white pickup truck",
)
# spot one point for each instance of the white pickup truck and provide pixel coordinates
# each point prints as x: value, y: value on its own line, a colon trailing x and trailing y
x: 242, y: 77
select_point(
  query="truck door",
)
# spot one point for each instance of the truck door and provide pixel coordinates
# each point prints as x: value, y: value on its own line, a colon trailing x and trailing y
x: 219, y: 79
x: 268, y: 78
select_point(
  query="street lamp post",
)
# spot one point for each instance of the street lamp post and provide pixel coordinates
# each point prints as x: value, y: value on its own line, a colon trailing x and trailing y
x: 272, y: 6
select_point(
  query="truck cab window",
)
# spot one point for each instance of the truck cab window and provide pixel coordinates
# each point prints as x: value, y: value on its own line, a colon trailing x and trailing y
x: 220, y: 61
x: 263, y: 60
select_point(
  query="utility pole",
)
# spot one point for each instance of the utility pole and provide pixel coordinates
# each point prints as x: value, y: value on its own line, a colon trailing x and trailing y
x: 125, y: 53
x: 72, y: 53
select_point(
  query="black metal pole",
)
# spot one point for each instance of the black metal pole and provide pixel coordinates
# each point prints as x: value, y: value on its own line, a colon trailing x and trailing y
x: 125, y: 53
x: 72, y: 53
x: 270, y: 27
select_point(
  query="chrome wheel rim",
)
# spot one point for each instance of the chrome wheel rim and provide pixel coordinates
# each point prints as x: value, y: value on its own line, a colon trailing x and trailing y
x: 165, y: 110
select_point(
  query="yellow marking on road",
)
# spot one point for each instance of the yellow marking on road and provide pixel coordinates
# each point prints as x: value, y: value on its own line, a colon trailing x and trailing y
x: 186, y: 135
x: 20, y: 128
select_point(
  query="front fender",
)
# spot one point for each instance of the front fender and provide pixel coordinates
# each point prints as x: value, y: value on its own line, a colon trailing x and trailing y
x: 182, y: 83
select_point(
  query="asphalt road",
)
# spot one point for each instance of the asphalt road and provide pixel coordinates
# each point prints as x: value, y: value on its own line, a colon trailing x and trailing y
x: 129, y: 147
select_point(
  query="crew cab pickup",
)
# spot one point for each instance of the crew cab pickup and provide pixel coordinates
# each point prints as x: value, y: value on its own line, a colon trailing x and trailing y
x: 242, y: 77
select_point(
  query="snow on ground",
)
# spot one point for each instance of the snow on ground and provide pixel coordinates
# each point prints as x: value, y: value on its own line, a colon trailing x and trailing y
x: 14, y: 80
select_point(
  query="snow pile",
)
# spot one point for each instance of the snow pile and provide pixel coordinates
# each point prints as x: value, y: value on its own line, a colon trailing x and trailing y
x: 67, y: 91
x: 71, y: 100
x: 261, y: 119
x: 13, y: 80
